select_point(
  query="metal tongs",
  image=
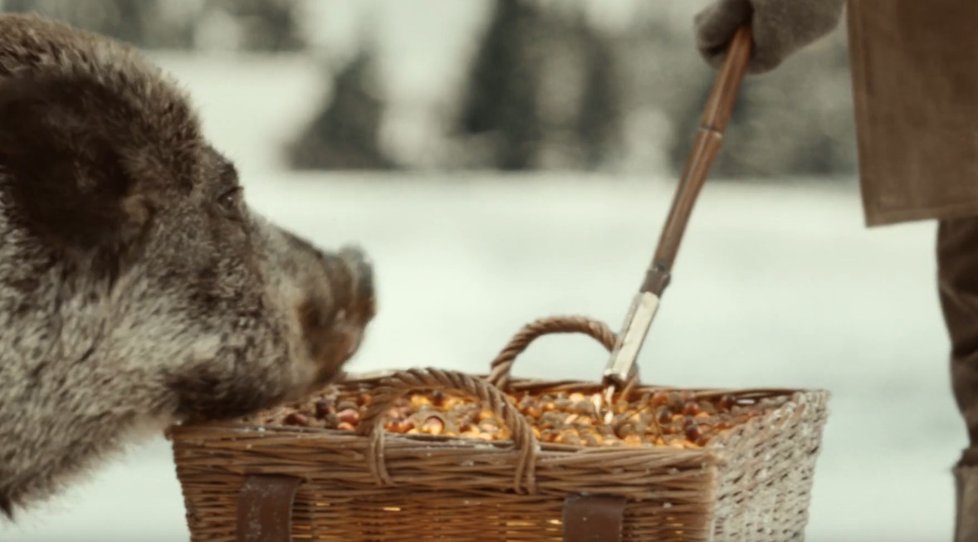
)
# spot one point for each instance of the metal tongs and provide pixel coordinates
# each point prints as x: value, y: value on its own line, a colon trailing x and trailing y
x: 621, y: 367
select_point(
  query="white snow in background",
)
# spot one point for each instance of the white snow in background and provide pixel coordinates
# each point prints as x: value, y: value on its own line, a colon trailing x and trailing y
x: 776, y: 285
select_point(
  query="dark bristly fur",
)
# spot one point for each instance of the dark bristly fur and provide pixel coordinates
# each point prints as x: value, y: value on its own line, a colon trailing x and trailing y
x: 136, y: 287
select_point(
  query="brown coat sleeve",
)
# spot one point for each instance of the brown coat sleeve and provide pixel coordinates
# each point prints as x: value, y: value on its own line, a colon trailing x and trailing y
x: 780, y: 27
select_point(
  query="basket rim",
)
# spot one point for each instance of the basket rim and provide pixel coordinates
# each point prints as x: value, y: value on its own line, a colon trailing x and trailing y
x: 787, y: 399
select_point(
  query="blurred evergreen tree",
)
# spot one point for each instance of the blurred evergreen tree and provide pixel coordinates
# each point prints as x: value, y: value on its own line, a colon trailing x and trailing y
x: 543, y: 90
x: 500, y: 98
x: 345, y: 133
x: 267, y: 25
x: 598, y: 123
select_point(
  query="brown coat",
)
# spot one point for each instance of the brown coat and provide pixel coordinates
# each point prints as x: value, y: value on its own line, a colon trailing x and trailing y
x: 915, y: 83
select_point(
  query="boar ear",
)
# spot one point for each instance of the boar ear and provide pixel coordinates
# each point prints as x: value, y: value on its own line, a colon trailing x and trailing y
x: 71, y: 164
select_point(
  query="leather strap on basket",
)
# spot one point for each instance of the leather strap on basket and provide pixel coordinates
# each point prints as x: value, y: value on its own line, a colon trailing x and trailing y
x: 499, y: 374
x: 593, y: 518
x: 397, y: 385
x: 265, y: 508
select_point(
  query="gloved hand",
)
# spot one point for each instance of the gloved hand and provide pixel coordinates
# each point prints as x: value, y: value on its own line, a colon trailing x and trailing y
x: 779, y: 28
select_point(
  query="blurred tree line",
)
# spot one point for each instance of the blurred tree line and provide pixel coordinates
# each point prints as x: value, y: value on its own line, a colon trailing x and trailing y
x: 262, y: 25
x: 545, y: 88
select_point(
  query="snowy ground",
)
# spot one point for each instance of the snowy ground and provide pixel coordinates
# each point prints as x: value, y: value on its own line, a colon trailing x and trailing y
x: 776, y: 285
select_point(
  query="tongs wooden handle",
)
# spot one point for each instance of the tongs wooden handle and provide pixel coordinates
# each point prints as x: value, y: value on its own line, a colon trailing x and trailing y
x: 709, y: 137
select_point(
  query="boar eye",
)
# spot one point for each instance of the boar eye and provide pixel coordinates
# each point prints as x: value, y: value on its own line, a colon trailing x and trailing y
x: 230, y: 202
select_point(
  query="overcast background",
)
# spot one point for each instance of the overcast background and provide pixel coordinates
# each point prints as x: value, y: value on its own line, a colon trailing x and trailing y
x: 503, y: 161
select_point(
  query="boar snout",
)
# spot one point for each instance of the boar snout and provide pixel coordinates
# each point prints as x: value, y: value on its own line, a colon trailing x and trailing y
x: 336, y: 309
x: 362, y: 301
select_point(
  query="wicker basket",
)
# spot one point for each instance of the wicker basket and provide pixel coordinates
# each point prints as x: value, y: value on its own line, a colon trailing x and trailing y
x: 750, y: 483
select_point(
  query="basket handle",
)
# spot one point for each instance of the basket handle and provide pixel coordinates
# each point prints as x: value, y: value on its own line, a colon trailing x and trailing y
x: 397, y: 385
x: 500, y: 368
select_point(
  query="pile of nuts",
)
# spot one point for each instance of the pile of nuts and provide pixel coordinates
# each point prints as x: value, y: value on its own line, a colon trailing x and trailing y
x: 674, y: 418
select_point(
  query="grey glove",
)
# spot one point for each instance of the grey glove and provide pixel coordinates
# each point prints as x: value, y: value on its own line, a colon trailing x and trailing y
x: 779, y: 28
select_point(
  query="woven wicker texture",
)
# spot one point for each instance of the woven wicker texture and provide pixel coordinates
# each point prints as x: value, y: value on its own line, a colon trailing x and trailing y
x: 750, y: 483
